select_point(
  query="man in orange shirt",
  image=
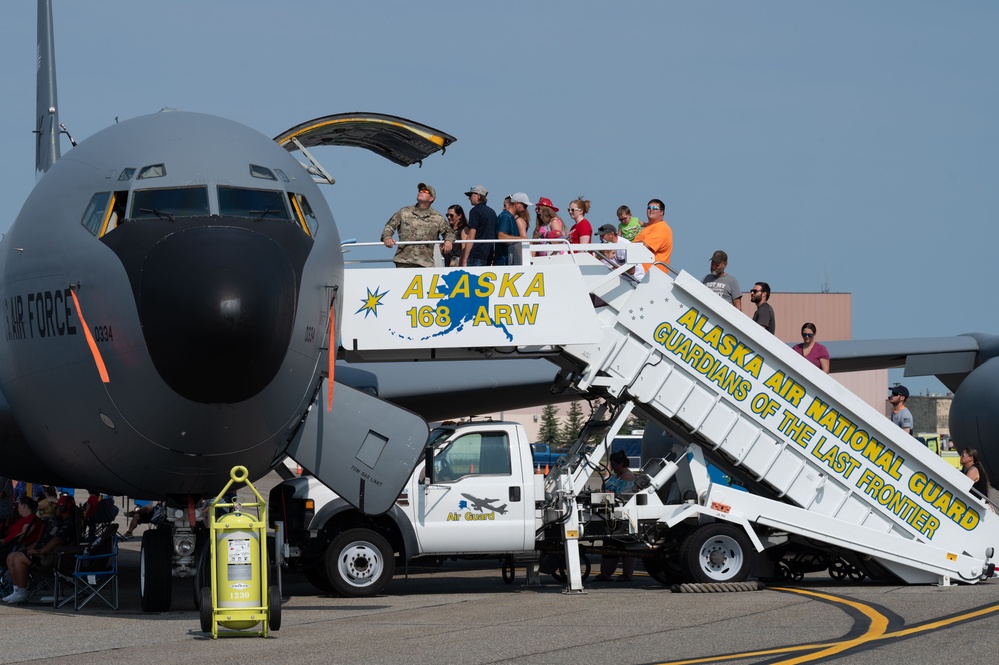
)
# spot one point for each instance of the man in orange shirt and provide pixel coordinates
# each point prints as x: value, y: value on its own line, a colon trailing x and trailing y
x: 657, y: 235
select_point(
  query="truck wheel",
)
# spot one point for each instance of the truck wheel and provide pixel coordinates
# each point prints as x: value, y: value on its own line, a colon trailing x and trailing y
x: 316, y: 574
x: 359, y: 562
x: 156, y: 570
x: 718, y: 552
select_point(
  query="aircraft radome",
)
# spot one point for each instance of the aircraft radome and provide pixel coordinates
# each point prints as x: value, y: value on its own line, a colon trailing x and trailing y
x: 170, y: 299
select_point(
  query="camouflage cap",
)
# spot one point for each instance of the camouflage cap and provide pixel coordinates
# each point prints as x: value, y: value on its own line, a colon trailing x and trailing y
x: 429, y: 188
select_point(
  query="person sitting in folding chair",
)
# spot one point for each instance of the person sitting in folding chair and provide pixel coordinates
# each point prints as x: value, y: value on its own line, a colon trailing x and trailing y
x: 43, y: 552
x: 25, y: 531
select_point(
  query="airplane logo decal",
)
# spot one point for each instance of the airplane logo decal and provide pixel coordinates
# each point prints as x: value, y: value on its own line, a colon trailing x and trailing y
x: 481, y: 504
x: 371, y: 302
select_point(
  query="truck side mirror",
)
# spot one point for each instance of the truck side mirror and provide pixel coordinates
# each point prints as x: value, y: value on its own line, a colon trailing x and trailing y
x: 428, y: 466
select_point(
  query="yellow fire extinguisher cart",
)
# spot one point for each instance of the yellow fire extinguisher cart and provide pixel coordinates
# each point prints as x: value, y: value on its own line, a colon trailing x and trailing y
x: 240, y: 597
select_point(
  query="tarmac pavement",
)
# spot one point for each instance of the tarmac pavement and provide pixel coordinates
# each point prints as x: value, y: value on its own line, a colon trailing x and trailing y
x: 465, y: 613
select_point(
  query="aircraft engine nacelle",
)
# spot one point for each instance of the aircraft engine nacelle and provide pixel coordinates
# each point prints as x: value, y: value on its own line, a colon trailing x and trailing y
x: 974, y: 415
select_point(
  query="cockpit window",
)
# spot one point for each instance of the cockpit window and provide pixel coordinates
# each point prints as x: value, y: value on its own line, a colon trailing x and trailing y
x: 261, y: 172
x: 256, y: 203
x: 126, y: 174
x: 170, y: 203
x: 93, y: 216
x: 154, y: 171
x: 281, y: 175
x: 305, y: 213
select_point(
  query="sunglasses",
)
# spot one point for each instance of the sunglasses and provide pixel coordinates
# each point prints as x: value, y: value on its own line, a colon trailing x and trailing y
x: 757, y: 291
x: 804, y: 334
x: 653, y: 208
x: 424, y: 191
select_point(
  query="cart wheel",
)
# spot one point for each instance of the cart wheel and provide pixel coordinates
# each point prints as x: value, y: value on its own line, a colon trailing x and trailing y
x: 838, y: 570
x: 207, y: 610
x: 274, y: 600
x: 508, y: 572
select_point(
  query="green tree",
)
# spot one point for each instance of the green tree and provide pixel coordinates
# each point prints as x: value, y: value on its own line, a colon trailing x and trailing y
x: 633, y: 423
x: 574, y: 422
x: 549, y: 432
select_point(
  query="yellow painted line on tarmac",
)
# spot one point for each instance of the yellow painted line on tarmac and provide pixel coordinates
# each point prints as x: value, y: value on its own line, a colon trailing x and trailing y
x: 877, y: 631
x: 877, y: 627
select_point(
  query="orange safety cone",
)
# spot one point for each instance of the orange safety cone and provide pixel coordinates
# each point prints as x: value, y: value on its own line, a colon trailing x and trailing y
x: 298, y: 470
x: 471, y: 468
x: 546, y: 469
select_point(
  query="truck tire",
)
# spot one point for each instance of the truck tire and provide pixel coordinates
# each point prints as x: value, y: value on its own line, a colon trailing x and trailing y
x: 718, y: 552
x: 359, y: 562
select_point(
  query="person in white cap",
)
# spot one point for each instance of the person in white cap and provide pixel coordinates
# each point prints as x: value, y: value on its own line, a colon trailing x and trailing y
x: 481, y: 226
x: 512, y: 224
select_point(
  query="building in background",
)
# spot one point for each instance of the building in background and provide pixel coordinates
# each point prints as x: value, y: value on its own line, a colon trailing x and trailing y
x: 930, y: 413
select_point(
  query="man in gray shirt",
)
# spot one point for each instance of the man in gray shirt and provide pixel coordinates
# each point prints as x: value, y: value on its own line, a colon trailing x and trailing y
x: 764, y: 314
x: 899, y: 414
x: 721, y: 282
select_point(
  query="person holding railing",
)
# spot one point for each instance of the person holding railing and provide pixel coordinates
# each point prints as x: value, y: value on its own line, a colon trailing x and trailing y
x: 657, y: 235
x: 415, y: 223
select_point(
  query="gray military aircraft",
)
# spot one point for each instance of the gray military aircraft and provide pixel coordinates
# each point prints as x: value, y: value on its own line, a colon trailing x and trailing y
x: 170, y: 295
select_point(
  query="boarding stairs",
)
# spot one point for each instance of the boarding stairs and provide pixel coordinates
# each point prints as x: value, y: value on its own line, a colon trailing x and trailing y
x: 835, y: 469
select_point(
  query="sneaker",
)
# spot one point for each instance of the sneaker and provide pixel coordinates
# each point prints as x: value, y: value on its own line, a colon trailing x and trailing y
x: 19, y: 596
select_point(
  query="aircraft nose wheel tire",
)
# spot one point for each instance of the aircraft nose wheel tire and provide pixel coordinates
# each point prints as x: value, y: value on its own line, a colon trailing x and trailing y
x: 156, y: 570
x: 359, y: 562
x: 718, y: 552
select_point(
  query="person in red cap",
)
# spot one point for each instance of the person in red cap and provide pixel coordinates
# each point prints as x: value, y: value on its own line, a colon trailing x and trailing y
x: 550, y: 227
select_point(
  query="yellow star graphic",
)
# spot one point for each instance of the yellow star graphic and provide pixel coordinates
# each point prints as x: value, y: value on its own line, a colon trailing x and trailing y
x: 371, y: 303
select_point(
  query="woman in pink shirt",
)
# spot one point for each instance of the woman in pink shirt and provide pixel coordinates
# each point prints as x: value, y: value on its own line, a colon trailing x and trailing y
x: 813, y: 352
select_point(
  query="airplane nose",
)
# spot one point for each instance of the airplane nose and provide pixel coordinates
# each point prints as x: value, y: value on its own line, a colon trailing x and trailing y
x: 217, y: 306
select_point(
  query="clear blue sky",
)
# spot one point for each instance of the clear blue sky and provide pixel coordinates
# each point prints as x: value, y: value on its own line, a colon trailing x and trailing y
x: 853, y: 142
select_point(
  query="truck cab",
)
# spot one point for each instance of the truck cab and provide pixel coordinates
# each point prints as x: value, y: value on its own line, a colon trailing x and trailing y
x: 478, y: 496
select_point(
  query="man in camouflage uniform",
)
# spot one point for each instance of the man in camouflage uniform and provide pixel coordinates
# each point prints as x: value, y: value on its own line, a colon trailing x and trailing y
x: 418, y: 222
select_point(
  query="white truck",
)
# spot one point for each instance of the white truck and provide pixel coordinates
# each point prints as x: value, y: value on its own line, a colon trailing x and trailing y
x: 482, y: 497
x: 832, y: 483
